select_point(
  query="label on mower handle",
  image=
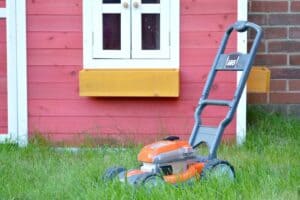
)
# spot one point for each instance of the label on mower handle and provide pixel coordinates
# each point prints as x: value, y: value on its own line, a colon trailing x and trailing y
x: 232, y: 61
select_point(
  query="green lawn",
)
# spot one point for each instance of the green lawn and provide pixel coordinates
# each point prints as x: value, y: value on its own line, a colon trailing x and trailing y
x: 267, y: 167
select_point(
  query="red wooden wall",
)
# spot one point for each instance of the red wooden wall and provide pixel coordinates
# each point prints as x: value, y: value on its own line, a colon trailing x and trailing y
x: 3, y: 79
x: 54, y: 38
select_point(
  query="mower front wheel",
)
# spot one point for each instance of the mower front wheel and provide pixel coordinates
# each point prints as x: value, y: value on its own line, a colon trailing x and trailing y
x: 112, y: 172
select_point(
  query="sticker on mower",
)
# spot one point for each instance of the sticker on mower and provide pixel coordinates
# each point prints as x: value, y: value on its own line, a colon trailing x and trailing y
x: 232, y: 61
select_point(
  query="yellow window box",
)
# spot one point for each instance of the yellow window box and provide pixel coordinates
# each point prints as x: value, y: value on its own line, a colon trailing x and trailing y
x: 129, y: 83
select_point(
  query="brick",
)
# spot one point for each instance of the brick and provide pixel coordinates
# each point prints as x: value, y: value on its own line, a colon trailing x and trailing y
x: 295, y: 59
x: 271, y: 33
x: 295, y: 6
x: 284, y: 46
x: 271, y: 59
x: 294, y: 33
x: 275, y: 33
x: 269, y: 6
x: 258, y: 19
x: 261, y: 48
x: 284, y: 19
x: 294, y: 85
x: 257, y: 98
x: 278, y: 85
x: 285, y: 73
x: 285, y: 97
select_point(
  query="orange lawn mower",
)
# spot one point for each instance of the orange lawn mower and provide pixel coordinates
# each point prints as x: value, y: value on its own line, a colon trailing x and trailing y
x: 177, y: 161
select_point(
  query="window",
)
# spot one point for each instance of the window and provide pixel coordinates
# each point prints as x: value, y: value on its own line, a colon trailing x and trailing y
x: 131, y: 34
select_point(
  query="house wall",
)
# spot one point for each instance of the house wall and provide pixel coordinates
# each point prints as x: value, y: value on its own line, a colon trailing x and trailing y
x: 54, y: 39
x: 279, y: 51
x: 3, y: 79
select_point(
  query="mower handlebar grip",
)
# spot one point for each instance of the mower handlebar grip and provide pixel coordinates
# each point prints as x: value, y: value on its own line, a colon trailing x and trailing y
x: 242, y: 26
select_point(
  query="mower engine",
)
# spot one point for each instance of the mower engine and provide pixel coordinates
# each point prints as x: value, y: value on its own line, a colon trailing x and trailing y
x: 166, y: 157
x: 167, y: 160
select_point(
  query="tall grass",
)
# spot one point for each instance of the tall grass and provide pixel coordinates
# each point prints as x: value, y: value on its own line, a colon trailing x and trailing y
x: 267, y: 167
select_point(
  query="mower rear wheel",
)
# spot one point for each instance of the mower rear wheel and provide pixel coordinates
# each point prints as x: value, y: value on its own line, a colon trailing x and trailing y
x: 112, y: 172
x: 218, y: 169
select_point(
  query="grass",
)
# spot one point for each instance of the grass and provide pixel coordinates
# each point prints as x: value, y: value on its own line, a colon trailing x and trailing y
x: 267, y: 167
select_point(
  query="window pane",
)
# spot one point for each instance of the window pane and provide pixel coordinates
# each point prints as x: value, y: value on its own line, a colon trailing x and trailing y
x: 150, y: 1
x: 112, y: 31
x: 111, y: 1
x: 150, y: 31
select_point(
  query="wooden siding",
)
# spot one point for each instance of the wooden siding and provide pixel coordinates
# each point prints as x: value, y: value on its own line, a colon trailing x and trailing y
x: 2, y: 3
x: 3, y: 76
x: 54, y: 41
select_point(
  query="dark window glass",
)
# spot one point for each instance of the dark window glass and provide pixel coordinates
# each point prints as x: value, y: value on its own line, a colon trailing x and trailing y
x: 111, y: 31
x: 150, y: 31
x: 111, y: 1
x: 150, y: 1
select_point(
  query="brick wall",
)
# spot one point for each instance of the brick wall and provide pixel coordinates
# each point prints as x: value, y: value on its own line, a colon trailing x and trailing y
x: 280, y: 51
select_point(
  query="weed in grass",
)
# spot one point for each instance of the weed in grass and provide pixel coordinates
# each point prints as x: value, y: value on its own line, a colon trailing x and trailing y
x: 267, y: 167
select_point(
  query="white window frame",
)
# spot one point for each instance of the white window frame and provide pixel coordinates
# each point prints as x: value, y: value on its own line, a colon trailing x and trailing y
x: 165, y: 61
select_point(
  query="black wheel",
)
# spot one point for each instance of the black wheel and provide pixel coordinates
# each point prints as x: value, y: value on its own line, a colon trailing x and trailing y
x: 153, y: 180
x: 218, y: 169
x: 112, y: 172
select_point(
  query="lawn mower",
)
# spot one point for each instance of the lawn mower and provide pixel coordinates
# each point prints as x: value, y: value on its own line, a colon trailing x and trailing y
x: 177, y: 161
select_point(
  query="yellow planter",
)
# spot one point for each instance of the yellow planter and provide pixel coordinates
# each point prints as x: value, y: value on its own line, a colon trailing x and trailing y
x: 129, y: 83
x: 259, y: 80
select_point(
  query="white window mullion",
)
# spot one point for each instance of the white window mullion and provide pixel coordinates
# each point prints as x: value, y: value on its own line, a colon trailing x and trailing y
x: 136, y: 21
x: 125, y: 30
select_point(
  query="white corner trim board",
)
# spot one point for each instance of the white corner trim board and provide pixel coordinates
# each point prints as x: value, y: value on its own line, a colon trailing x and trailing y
x: 22, y: 73
x: 242, y: 47
x: 15, y: 14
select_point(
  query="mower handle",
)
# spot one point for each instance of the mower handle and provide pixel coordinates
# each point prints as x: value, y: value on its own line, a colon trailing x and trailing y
x: 212, y: 135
